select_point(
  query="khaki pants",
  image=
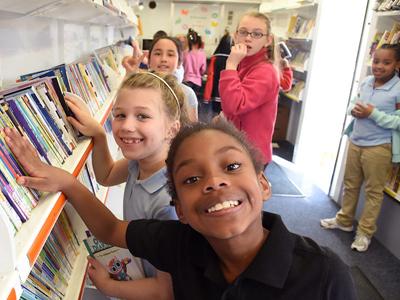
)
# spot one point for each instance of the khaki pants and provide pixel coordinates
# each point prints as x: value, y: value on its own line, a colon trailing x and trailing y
x: 370, y: 165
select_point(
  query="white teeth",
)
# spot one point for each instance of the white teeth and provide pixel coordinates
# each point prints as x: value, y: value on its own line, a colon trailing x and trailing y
x: 130, y: 141
x: 223, y: 205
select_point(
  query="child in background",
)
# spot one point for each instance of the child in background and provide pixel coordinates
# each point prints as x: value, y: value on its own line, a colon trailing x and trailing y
x: 370, y: 153
x: 216, y: 65
x: 165, y: 55
x: 224, y: 246
x: 147, y: 113
x: 249, y: 85
x: 194, y: 62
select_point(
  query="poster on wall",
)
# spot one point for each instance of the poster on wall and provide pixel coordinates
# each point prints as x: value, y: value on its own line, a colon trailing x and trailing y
x: 205, y: 19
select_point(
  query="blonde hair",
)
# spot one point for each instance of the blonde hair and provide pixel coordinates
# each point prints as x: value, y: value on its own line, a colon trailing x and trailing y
x: 263, y: 17
x: 163, y: 83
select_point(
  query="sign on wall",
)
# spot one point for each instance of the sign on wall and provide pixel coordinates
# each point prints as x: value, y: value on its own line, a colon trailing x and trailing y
x: 205, y: 19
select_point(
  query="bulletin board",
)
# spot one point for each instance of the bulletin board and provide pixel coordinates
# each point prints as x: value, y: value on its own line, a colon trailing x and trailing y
x: 204, y: 18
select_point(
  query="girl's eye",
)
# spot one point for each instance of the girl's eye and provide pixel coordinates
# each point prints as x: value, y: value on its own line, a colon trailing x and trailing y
x: 191, y: 180
x: 142, y: 117
x: 119, y: 116
x: 233, y: 166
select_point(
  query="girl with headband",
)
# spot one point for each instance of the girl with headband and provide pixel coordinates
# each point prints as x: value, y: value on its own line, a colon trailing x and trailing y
x: 148, y: 111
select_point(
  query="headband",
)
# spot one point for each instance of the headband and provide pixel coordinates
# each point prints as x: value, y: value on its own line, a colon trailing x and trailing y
x: 169, y: 87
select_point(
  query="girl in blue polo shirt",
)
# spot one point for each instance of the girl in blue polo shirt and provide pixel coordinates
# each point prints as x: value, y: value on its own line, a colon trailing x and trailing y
x: 374, y: 144
x: 148, y: 111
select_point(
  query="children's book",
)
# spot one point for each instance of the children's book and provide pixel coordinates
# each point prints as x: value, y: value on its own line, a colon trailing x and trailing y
x: 119, y: 262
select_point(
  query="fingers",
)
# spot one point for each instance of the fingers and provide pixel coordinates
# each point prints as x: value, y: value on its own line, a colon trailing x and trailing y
x: 18, y: 144
x: 40, y: 184
x: 76, y: 124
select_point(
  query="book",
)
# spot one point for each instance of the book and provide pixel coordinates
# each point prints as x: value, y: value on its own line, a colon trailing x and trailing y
x: 119, y: 262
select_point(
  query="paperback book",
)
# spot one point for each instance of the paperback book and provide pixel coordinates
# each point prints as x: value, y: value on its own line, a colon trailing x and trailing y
x: 119, y: 262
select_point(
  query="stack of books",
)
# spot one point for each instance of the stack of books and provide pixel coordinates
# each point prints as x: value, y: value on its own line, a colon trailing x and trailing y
x: 300, y: 27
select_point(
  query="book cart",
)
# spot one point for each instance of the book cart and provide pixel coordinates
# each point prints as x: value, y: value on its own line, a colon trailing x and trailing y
x: 20, y: 251
x: 293, y: 22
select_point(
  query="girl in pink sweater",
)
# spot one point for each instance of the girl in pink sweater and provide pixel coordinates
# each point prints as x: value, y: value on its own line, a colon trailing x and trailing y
x: 249, y: 85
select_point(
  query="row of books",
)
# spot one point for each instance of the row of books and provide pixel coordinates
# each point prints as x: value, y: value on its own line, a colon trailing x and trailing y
x: 52, y: 270
x: 300, y: 59
x: 391, y: 36
x: 386, y: 5
x: 393, y: 180
x: 296, y: 93
x: 300, y: 27
x: 37, y: 109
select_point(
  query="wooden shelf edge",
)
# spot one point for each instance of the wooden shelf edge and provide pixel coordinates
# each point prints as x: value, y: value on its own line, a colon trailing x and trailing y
x: 392, y: 194
x: 289, y: 8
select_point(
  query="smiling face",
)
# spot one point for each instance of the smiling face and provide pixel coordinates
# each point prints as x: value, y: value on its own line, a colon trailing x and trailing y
x: 253, y: 24
x: 219, y: 193
x: 164, y: 56
x: 140, y: 126
x: 384, y: 64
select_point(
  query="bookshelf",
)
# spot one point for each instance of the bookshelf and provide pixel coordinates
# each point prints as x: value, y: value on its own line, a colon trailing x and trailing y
x: 293, y: 22
x: 33, y: 234
x: 38, y: 35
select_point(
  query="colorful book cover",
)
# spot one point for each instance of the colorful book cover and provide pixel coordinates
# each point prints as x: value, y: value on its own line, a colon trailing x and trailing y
x: 119, y: 262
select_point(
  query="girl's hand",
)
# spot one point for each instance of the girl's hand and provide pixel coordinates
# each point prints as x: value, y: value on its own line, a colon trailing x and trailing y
x: 83, y: 120
x: 41, y: 176
x: 361, y: 110
x: 99, y: 275
x: 132, y: 63
x: 238, y: 52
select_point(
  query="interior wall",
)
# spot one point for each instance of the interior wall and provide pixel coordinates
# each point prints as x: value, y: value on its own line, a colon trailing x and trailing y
x: 160, y: 18
x: 329, y: 83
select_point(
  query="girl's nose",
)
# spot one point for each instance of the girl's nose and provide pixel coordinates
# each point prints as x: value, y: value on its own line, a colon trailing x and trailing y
x: 128, y: 125
x: 215, y: 183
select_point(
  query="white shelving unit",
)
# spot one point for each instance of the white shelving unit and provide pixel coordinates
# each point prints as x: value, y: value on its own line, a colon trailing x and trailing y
x: 82, y: 11
x: 38, y: 35
x: 280, y: 13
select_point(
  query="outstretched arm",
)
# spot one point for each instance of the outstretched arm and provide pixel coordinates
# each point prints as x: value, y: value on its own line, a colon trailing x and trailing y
x: 107, y: 171
x: 158, y: 287
x: 101, y: 222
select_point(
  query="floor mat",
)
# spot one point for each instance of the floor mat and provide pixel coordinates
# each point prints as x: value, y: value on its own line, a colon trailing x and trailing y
x: 365, y: 289
x: 281, y: 184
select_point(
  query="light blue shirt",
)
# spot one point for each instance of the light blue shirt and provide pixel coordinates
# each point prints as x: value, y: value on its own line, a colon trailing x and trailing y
x: 366, y: 132
x: 147, y: 199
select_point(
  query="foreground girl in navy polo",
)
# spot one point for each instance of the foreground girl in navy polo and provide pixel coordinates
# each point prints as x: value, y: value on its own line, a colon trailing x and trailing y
x: 224, y: 246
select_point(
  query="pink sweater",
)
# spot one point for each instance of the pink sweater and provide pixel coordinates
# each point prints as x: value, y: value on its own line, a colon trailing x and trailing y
x: 194, y: 63
x: 249, y: 98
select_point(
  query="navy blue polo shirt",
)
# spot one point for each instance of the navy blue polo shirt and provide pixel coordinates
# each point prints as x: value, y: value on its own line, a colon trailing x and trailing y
x: 287, y: 266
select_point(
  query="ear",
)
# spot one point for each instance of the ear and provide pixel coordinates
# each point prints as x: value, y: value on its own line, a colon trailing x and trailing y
x: 270, y: 38
x: 265, y: 186
x: 173, y: 129
x: 179, y: 212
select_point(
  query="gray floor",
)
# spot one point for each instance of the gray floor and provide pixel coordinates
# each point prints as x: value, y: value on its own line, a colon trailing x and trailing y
x: 302, y: 215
